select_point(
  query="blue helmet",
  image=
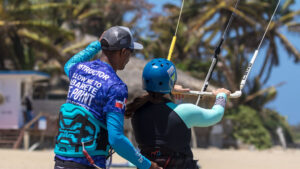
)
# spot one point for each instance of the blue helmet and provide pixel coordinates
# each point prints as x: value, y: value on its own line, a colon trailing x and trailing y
x: 159, y: 75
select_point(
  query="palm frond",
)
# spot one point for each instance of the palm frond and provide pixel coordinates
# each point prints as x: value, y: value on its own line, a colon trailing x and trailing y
x: 41, y: 6
x: 208, y: 14
x: 41, y: 43
x: 287, y: 44
x: 242, y: 15
x: 80, y: 8
x: 95, y: 12
x: 289, y: 16
x: 287, y: 3
x: 45, y: 26
x: 294, y: 26
x: 267, y: 91
x: 75, y: 46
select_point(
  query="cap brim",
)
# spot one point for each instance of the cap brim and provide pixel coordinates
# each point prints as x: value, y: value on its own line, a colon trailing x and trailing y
x: 137, y: 46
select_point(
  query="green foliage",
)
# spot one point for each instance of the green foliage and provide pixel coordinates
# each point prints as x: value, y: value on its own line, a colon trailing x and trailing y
x: 248, y: 127
x: 296, y: 133
x: 297, y: 137
x: 34, y: 32
x: 30, y: 33
x: 196, y: 67
x: 272, y: 120
x: 201, y: 27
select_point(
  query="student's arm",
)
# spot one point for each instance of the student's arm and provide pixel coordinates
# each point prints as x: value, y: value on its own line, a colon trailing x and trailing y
x: 194, y: 116
x: 85, y: 55
x: 121, y: 144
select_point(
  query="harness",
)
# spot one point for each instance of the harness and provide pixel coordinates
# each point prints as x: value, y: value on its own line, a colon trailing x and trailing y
x: 169, y: 159
x: 76, y: 126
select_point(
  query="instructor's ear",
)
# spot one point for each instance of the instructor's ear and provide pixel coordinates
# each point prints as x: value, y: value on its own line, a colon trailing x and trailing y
x: 125, y: 52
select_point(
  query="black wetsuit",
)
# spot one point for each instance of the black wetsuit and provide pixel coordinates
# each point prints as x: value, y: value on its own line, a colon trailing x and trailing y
x: 163, y: 137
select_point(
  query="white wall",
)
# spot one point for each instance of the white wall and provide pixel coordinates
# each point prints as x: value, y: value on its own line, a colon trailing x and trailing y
x: 50, y: 107
x: 11, y: 116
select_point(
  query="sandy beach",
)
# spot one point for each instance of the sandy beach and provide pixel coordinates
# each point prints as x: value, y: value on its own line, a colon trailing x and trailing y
x: 208, y: 159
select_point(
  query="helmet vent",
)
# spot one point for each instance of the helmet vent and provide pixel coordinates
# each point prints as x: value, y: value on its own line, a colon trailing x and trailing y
x: 153, y: 64
x: 160, y: 83
x: 162, y: 65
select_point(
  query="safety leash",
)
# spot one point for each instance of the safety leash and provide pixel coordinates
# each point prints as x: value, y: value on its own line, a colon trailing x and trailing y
x: 88, y: 157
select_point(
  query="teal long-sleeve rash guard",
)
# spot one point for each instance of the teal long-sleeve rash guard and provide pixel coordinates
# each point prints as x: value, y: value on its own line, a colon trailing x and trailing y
x: 194, y: 116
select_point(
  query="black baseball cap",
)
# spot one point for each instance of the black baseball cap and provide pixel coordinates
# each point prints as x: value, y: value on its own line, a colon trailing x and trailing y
x: 117, y: 38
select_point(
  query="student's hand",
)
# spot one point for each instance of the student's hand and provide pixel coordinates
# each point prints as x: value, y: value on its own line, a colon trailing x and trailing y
x: 221, y: 90
x: 180, y: 89
x: 154, y: 166
x: 177, y: 92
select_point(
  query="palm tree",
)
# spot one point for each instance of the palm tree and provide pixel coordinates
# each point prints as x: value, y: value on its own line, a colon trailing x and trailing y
x: 93, y: 17
x: 38, y: 31
x: 27, y: 35
x: 200, y: 29
x: 199, y: 33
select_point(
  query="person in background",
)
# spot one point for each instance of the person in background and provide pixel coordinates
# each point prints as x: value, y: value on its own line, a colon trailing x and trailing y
x: 162, y: 128
x: 91, y: 120
x: 27, y: 106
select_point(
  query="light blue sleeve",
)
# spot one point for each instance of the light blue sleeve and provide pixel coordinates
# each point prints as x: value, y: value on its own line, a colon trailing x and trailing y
x: 194, y: 116
x: 85, y: 55
x: 121, y: 144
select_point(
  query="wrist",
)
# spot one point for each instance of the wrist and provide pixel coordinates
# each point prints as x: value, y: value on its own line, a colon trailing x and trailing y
x: 146, y: 163
x: 221, y: 95
x: 221, y: 99
x: 96, y: 44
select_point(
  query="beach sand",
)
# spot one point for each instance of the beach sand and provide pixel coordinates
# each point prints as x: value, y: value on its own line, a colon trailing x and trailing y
x: 208, y: 159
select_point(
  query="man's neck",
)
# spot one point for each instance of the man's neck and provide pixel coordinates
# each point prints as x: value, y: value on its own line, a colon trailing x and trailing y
x: 105, y: 59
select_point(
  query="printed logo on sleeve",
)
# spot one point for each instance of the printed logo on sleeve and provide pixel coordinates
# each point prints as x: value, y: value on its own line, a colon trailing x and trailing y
x: 121, y: 104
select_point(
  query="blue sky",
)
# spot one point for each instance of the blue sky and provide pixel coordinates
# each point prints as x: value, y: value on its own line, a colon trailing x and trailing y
x: 287, y: 100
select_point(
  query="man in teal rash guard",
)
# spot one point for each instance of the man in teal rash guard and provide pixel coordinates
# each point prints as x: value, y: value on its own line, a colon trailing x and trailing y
x: 161, y: 127
x: 92, y: 118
